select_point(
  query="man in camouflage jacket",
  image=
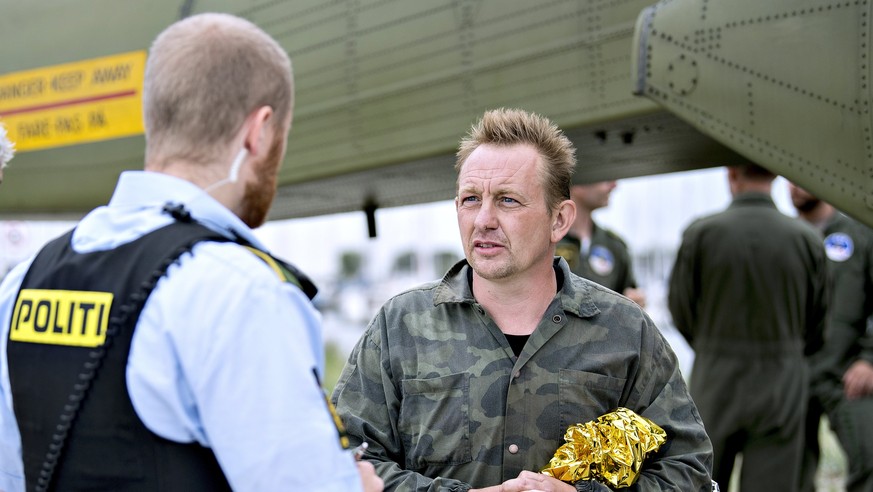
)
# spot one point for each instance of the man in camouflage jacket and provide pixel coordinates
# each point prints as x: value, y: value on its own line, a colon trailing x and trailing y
x: 469, y: 383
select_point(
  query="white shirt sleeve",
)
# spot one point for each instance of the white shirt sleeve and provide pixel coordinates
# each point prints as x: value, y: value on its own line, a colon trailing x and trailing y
x: 224, y: 355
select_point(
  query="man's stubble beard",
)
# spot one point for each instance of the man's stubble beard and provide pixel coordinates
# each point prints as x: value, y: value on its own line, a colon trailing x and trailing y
x: 492, y: 272
x: 491, y: 269
x: 807, y: 205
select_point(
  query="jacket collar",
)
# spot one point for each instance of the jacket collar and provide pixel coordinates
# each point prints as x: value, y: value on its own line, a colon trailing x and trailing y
x: 574, y: 294
x: 753, y: 198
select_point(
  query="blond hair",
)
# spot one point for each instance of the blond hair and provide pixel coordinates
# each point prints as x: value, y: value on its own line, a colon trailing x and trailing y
x: 7, y: 148
x: 205, y: 74
x: 514, y: 126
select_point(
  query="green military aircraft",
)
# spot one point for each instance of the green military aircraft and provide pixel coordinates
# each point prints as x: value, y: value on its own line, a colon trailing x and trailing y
x: 386, y: 88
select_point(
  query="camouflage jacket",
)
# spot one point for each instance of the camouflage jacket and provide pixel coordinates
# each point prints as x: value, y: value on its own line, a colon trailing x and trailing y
x: 436, y: 391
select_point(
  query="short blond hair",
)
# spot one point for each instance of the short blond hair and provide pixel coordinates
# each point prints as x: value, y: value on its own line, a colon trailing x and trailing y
x: 205, y: 74
x: 514, y: 126
x: 7, y: 148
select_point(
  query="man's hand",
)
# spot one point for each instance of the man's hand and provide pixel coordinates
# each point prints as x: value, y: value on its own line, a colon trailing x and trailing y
x: 369, y: 480
x: 858, y: 380
x: 528, y: 481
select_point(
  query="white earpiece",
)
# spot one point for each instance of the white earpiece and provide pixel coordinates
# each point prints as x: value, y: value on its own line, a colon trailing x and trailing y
x: 233, y: 175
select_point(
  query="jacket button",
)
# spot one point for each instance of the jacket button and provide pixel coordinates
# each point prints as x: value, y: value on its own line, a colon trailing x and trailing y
x: 513, y: 448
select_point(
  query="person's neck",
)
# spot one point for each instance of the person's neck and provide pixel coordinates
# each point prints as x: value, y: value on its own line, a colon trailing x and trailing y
x: 752, y: 186
x: 818, y: 216
x: 199, y: 174
x: 517, y: 305
x: 203, y: 177
x: 583, y: 226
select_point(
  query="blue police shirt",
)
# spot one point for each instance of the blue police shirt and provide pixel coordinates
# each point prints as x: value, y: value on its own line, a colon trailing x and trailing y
x: 222, y: 354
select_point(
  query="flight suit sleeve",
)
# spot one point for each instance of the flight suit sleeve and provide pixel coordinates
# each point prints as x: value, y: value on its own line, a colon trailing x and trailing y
x: 818, y: 302
x: 683, y: 286
x: 629, y: 281
x: 850, y: 304
x: 846, y: 322
x: 866, y: 344
x: 367, y: 398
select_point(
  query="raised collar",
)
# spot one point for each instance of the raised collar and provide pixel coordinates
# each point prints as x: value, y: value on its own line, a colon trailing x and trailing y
x: 754, y: 199
x: 575, y: 293
x: 145, y: 189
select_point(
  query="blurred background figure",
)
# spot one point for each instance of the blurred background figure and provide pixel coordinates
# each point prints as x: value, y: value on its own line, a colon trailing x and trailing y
x: 748, y: 293
x: 7, y: 150
x: 596, y: 253
x: 843, y: 372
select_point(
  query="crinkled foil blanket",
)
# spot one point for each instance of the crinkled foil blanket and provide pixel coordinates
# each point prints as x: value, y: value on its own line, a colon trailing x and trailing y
x: 610, y: 449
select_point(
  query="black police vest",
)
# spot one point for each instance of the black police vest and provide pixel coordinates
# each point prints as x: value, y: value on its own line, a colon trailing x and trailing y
x: 69, y: 341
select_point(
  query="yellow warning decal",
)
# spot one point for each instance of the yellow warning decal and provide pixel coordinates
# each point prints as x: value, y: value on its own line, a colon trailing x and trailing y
x: 61, y: 317
x: 74, y: 103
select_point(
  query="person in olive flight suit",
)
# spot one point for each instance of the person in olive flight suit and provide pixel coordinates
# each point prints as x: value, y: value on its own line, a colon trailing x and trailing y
x: 748, y: 293
x: 843, y: 373
x: 596, y: 253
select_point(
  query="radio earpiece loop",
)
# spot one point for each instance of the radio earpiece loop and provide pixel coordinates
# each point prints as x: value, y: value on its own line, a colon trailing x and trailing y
x: 233, y: 173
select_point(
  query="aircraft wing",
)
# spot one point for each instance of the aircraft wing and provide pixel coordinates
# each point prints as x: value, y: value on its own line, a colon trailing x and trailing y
x: 385, y: 90
x: 786, y: 83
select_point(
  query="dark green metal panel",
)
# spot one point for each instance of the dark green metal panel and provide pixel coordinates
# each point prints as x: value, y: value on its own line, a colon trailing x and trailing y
x: 385, y: 89
x: 785, y: 83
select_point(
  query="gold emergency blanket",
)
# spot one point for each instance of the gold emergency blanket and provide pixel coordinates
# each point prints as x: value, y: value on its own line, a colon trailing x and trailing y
x: 610, y: 449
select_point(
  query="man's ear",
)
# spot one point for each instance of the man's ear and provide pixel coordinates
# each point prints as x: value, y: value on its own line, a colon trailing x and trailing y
x: 562, y: 219
x: 258, y: 136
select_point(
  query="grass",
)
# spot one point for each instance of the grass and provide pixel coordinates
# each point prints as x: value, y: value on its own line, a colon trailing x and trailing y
x: 831, y: 475
x: 335, y: 360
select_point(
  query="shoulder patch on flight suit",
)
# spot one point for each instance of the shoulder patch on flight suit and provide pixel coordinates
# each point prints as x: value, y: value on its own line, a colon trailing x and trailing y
x: 839, y: 246
x: 602, y: 260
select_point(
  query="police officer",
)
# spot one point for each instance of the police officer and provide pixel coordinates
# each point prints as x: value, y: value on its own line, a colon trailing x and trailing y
x: 843, y: 376
x: 596, y: 253
x: 748, y: 293
x: 158, y: 346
